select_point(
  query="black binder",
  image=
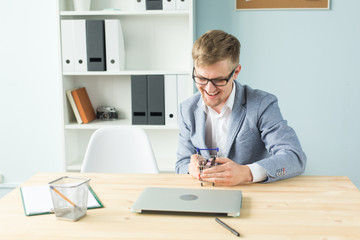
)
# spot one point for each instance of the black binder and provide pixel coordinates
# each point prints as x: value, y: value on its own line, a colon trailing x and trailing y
x: 139, y: 99
x: 154, y: 5
x: 95, y: 45
x: 156, y: 100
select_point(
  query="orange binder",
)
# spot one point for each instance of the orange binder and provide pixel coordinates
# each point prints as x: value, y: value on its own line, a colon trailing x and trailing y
x: 83, y: 104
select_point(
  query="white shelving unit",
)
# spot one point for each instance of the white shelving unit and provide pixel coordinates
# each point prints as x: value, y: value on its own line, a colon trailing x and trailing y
x: 156, y: 42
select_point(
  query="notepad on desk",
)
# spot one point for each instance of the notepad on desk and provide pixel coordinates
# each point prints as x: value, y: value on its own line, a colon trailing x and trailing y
x: 37, y: 200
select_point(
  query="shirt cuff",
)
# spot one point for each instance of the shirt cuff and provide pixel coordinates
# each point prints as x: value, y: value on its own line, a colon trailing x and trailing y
x: 259, y: 173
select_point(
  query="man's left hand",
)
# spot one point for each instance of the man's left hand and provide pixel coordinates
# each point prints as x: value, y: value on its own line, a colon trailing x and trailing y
x: 228, y: 173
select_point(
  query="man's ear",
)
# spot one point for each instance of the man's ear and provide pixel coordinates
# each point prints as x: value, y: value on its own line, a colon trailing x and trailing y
x: 237, y: 71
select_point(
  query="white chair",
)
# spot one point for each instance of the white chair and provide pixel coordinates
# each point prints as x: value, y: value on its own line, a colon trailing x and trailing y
x: 119, y: 149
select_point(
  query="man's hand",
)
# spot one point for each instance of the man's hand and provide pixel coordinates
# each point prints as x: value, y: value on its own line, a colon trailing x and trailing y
x: 194, y: 166
x: 228, y: 173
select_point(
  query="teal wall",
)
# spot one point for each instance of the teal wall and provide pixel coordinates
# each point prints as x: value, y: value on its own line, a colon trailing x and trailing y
x: 310, y: 59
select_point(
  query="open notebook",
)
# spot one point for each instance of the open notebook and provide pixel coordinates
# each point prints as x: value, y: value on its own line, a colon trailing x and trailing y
x: 37, y: 200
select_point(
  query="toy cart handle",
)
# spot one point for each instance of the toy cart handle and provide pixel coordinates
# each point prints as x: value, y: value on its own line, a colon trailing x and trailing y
x: 198, y: 149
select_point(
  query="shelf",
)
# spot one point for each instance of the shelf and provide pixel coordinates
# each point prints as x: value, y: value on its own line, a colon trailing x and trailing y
x: 125, y: 13
x: 157, y: 42
x: 126, y: 73
x: 96, y: 124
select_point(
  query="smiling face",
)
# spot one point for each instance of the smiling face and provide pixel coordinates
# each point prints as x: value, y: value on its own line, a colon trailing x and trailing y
x: 216, y: 96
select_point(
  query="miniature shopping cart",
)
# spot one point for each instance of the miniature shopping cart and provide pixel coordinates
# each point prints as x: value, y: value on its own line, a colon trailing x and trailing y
x: 206, y: 163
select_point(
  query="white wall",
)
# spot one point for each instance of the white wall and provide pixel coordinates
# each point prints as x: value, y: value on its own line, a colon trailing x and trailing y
x: 310, y: 60
x: 31, y: 120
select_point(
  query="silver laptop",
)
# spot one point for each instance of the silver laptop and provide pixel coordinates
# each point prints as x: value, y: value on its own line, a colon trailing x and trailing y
x: 189, y: 201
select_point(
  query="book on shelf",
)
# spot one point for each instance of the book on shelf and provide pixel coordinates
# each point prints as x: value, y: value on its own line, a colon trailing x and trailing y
x: 73, y: 105
x: 83, y: 104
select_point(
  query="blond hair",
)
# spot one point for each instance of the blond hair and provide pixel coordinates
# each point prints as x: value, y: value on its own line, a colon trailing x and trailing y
x: 215, y: 46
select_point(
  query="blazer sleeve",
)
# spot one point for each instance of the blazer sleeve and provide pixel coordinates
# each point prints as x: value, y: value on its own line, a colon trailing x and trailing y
x: 185, y: 146
x: 286, y: 158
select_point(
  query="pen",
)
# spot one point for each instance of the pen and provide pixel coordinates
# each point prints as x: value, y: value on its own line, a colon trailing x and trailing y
x: 227, y: 227
x: 63, y: 196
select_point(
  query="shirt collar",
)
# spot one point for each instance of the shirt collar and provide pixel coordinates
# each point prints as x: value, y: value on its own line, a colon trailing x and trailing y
x: 229, y: 102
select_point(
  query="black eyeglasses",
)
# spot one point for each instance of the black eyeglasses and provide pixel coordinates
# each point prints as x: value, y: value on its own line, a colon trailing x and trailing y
x: 215, y: 82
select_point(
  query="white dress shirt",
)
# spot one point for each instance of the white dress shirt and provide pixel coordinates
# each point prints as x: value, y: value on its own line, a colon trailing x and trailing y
x: 216, y: 130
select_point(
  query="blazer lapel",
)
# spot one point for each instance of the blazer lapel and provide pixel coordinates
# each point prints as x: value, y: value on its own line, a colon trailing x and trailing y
x: 237, y: 116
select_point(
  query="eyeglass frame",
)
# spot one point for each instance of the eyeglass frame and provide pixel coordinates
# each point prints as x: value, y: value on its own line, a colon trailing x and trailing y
x: 211, y: 80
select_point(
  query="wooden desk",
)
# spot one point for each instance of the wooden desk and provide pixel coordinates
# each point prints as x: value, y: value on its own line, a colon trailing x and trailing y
x: 304, y: 207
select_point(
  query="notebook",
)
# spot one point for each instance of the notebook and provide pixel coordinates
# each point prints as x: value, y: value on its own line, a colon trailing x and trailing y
x: 188, y: 201
x: 37, y: 200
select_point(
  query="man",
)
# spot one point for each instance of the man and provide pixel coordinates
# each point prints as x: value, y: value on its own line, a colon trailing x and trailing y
x: 255, y: 143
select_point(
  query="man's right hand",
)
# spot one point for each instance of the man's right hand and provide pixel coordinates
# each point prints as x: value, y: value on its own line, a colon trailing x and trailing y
x: 194, y: 166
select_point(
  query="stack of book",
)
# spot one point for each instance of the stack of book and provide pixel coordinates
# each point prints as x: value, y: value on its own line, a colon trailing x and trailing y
x: 81, y: 105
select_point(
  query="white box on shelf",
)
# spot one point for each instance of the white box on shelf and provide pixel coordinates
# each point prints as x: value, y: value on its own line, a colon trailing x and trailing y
x: 67, y: 45
x: 182, y: 4
x: 171, y: 98
x: 139, y: 5
x: 114, y: 42
x: 169, y: 4
x: 183, y: 87
x: 82, y: 5
x: 80, y: 55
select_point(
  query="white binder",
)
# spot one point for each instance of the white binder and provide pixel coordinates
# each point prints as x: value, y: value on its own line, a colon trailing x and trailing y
x: 80, y: 56
x: 171, y: 100
x: 169, y: 4
x: 114, y: 42
x: 67, y: 45
x: 182, y: 87
x: 182, y: 4
x: 139, y: 5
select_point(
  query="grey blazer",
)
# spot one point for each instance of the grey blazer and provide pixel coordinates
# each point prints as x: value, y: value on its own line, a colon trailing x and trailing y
x: 257, y: 133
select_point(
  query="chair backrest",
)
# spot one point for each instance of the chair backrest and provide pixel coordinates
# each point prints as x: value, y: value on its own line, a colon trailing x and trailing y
x: 119, y: 149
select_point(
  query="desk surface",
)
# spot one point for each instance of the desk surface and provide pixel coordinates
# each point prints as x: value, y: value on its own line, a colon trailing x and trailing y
x: 305, y: 207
